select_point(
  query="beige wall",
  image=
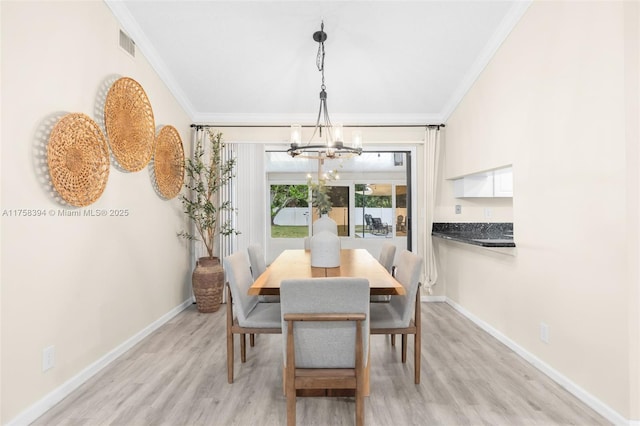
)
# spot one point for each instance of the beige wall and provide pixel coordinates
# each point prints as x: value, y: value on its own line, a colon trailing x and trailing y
x: 552, y: 103
x: 83, y: 284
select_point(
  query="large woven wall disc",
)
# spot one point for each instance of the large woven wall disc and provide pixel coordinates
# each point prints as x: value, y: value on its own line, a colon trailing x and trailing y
x: 129, y: 122
x: 78, y: 159
x: 168, y: 162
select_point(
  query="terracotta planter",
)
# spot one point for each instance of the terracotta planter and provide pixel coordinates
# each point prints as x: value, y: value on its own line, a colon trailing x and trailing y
x: 208, y: 282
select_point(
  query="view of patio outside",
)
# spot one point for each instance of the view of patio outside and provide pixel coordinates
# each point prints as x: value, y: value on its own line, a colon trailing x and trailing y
x: 373, y: 213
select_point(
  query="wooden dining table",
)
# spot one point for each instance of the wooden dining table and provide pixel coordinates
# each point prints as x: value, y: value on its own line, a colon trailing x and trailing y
x: 296, y: 264
x: 358, y: 263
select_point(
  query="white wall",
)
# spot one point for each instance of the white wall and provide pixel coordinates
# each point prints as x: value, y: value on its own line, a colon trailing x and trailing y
x: 82, y: 284
x: 552, y: 103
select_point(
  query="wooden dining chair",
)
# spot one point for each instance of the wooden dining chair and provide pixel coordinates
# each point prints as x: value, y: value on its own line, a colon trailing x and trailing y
x: 402, y: 314
x: 326, y: 324
x: 258, y: 266
x: 386, y: 257
x: 245, y: 314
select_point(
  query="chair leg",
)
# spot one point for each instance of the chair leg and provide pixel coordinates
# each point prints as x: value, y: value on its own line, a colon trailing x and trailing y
x: 243, y: 348
x: 417, y: 340
x: 404, y: 348
x: 252, y: 340
x: 393, y: 340
x: 416, y: 356
x: 291, y: 408
x: 229, y: 336
x: 359, y: 405
x: 229, y: 357
x: 290, y: 379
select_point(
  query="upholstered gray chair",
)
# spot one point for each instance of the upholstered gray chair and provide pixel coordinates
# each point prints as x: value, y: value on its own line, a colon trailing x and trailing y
x: 387, y: 254
x: 326, y: 337
x: 258, y: 266
x: 402, y: 314
x: 245, y: 314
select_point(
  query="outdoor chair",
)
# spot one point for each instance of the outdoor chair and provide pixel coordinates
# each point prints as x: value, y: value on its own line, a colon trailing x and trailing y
x: 378, y: 227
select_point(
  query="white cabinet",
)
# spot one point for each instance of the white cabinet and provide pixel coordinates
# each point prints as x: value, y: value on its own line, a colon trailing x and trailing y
x: 503, y: 182
x: 494, y: 183
x: 477, y: 185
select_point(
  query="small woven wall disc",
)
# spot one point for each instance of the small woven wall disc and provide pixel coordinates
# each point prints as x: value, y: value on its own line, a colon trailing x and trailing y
x: 129, y: 122
x: 78, y: 159
x: 168, y: 162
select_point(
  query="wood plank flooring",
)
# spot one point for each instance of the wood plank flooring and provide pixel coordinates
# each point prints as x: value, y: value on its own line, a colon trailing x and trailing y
x: 177, y: 376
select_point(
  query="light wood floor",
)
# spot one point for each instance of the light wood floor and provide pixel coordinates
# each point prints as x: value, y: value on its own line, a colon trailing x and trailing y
x: 177, y: 376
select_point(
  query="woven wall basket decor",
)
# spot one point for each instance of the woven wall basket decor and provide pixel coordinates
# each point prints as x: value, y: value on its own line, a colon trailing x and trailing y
x: 78, y: 159
x: 168, y: 161
x: 129, y: 122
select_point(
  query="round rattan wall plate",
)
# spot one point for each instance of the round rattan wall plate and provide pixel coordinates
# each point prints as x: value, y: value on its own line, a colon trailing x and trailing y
x: 78, y: 159
x: 168, y: 162
x: 129, y: 122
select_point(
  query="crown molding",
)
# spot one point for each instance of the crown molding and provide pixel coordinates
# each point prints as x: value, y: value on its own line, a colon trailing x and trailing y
x: 131, y: 27
x: 310, y: 119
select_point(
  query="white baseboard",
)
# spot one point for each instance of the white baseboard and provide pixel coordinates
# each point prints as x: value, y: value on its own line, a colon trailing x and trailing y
x: 428, y: 299
x: 584, y: 396
x: 39, y: 408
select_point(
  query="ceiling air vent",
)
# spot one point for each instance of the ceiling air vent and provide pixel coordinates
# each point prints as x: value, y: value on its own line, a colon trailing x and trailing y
x: 127, y: 44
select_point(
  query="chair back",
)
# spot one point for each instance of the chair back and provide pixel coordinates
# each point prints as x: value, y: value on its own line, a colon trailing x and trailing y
x: 238, y: 275
x: 326, y: 344
x: 387, y: 254
x: 408, y: 270
x: 256, y: 259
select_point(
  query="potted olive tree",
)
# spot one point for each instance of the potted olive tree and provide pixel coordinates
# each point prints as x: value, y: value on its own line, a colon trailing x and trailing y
x: 207, y: 173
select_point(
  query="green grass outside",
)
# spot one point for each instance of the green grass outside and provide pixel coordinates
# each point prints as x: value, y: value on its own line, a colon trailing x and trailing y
x: 279, y: 231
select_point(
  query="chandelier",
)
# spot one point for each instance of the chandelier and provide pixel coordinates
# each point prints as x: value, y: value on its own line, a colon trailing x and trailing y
x: 331, y: 144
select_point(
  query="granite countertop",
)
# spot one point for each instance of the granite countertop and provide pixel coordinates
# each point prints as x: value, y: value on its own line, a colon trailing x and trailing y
x: 478, y: 234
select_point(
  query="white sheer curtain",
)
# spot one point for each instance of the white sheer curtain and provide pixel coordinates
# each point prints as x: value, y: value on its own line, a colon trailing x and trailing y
x: 431, y: 156
x: 225, y: 244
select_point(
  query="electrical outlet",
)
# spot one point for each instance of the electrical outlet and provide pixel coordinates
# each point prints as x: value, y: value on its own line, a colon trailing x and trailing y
x: 488, y: 212
x: 48, y: 357
x: 544, y: 332
x: 458, y: 209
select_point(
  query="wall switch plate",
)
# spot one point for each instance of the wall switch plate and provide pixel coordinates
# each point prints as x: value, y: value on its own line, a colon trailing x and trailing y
x: 544, y: 332
x: 458, y: 209
x: 48, y: 357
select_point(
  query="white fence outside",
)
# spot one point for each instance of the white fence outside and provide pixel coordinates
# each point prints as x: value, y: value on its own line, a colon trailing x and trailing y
x: 299, y: 216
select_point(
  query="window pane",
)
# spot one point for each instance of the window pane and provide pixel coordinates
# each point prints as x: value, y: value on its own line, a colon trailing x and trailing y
x: 373, y: 204
x: 339, y: 196
x: 401, y: 210
x: 289, y: 211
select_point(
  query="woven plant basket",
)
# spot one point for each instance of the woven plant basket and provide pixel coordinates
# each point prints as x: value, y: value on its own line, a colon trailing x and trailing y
x: 208, y: 282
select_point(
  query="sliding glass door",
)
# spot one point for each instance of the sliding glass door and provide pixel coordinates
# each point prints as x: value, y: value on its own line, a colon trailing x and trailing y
x: 370, y: 196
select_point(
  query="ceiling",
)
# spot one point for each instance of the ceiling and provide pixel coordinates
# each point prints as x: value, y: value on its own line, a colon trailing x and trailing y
x: 254, y: 62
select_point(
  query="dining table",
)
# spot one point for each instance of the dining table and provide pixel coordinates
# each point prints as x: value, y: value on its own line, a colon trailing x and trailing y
x: 357, y: 263
x: 296, y: 264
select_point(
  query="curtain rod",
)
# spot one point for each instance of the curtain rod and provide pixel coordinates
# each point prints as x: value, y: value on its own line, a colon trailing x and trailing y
x: 202, y: 126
